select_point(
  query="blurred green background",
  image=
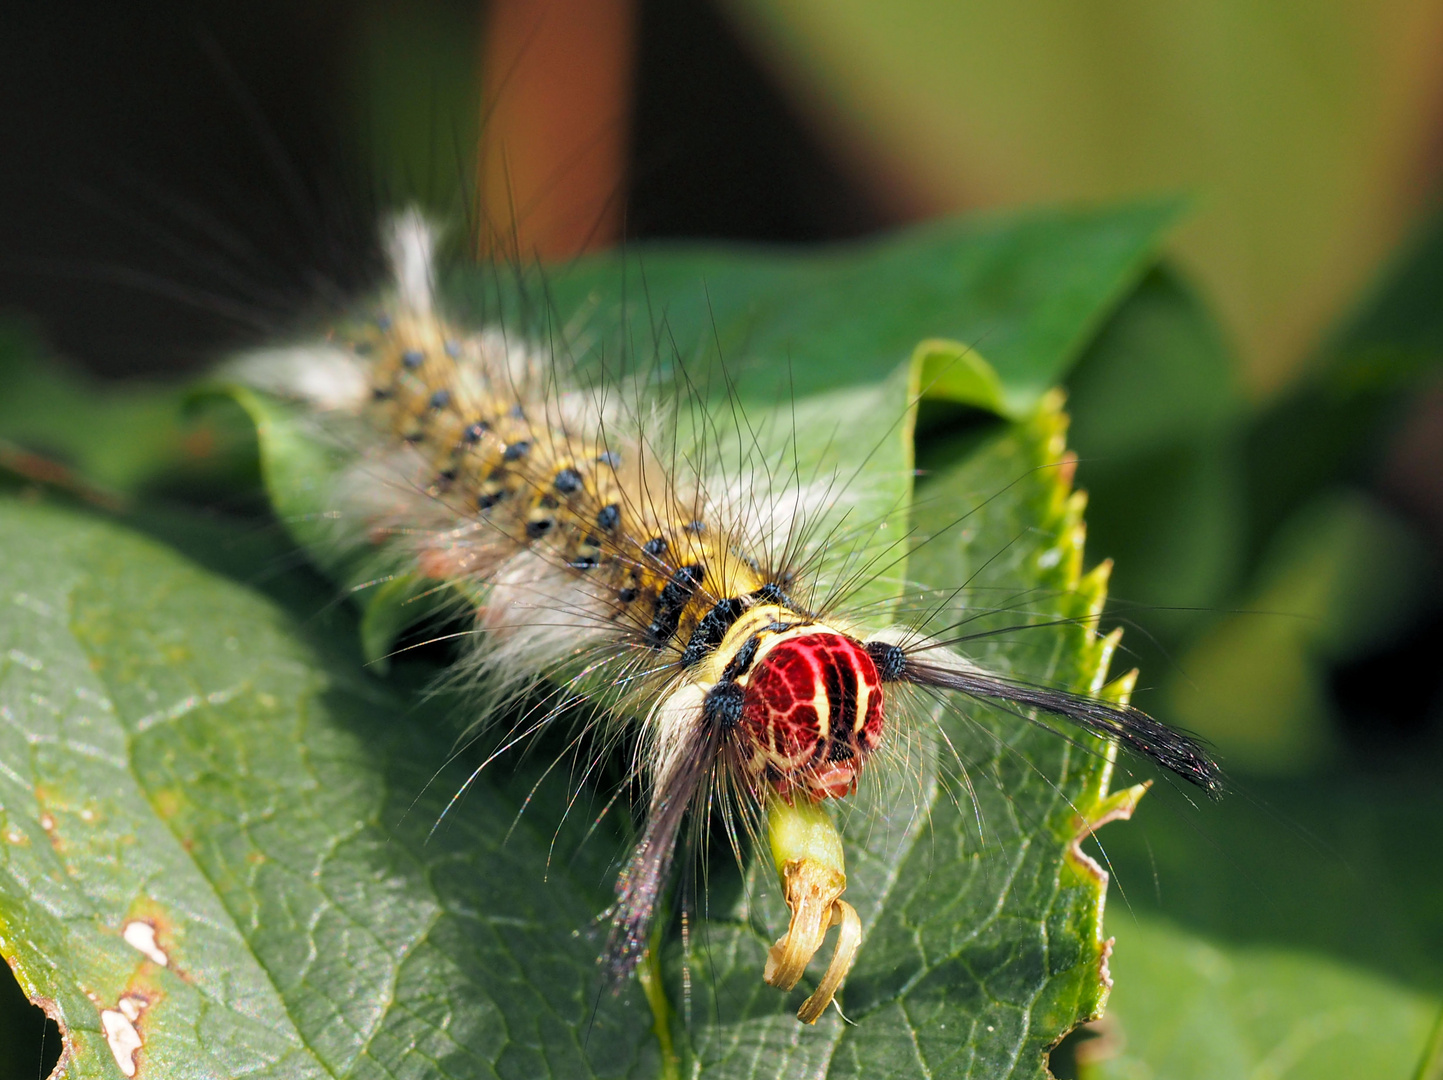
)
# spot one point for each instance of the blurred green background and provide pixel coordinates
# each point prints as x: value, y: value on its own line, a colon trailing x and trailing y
x: 1260, y: 425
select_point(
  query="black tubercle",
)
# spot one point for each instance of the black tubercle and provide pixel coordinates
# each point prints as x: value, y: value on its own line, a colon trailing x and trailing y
x: 567, y: 482
x: 1134, y: 728
x: 713, y: 627
x: 608, y: 517
x: 675, y: 595
x: 721, y: 709
x: 891, y: 660
x: 771, y: 593
x: 516, y: 451
x: 710, y: 630
x: 741, y: 663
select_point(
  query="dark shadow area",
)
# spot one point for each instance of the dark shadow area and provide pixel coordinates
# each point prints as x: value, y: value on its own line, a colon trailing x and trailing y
x: 181, y: 179
x: 718, y: 152
x: 1391, y: 700
x: 169, y: 181
x: 29, y: 1040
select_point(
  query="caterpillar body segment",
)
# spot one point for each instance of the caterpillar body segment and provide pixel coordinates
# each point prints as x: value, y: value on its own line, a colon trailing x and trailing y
x: 683, y: 601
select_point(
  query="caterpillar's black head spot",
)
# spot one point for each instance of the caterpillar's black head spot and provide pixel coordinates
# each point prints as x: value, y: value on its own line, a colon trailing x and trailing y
x: 891, y: 660
x: 723, y: 707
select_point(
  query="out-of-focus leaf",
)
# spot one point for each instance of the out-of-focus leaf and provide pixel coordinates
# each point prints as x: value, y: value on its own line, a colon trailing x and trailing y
x: 1027, y: 291
x: 1159, y: 374
x: 121, y: 437
x: 1403, y: 312
x: 1192, y: 1009
x: 1343, y: 575
x: 1331, y: 869
x: 1299, y: 127
x: 1336, y: 425
x: 1296, y: 917
x: 1157, y: 414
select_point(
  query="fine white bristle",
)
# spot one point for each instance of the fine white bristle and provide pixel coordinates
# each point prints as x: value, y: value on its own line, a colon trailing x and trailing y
x: 411, y: 248
x: 321, y: 375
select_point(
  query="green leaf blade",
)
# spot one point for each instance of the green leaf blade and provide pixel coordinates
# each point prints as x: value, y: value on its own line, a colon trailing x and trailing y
x: 263, y: 797
x: 282, y: 774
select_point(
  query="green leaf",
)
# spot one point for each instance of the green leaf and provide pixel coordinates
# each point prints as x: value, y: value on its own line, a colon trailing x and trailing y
x: 1027, y: 291
x: 1342, y: 577
x: 982, y: 938
x: 185, y: 754
x: 1193, y: 1009
x: 1303, y: 942
x: 1292, y: 865
x: 119, y: 438
x: 1340, y: 421
x: 1156, y: 419
x: 187, y: 746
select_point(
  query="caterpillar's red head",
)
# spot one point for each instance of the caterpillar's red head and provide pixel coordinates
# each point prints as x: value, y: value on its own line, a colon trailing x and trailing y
x: 811, y: 710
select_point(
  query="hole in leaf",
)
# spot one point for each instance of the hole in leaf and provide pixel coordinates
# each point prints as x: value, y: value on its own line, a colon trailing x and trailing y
x: 31, y: 1039
x: 1084, y: 1045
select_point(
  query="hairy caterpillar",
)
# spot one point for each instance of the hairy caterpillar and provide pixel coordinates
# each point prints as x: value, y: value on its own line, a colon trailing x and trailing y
x: 603, y: 553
